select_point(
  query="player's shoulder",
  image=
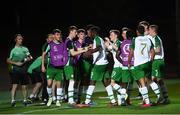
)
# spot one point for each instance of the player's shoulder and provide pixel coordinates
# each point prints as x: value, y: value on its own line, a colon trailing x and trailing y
x: 158, y: 37
x: 148, y: 36
x: 118, y: 42
x: 24, y: 48
x: 13, y: 49
x: 98, y: 38
x: 138, y: 37
x: 46, y: 44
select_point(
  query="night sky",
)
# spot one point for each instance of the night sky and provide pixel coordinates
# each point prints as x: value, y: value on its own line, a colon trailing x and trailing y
x: 35, y: 19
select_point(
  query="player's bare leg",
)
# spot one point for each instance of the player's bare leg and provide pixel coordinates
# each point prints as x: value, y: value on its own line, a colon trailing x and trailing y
x: 24, y: 92
x: 13, y: 94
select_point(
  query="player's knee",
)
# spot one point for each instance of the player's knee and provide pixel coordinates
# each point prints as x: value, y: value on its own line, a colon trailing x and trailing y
x: 38, y: 84
x: 24, y: 87
x: 14, y: 86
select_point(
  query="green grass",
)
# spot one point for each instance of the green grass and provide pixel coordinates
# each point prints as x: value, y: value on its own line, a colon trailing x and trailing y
x: 101, y: 107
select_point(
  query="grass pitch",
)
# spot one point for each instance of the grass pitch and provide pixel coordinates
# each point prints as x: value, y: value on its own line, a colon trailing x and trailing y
x: 99, y: 97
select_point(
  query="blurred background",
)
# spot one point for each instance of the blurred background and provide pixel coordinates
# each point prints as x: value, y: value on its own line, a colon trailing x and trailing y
x: 35, y: 19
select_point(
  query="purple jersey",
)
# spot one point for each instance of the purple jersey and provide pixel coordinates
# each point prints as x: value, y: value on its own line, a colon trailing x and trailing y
x: 58, y: 54
x: 125, y: 45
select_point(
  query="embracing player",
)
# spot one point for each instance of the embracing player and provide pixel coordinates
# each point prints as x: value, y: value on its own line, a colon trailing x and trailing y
x: 143, y: 52
x: 158, y: 63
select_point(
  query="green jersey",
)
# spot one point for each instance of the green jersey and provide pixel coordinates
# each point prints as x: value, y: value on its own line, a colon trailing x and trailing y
x: 18, y: 54
x: 157, y: 42
x: 70, y: 45
x: 99, y: 58
x: 116, y: 62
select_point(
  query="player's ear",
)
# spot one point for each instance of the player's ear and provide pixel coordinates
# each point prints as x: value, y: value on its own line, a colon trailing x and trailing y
x: 15, y: 39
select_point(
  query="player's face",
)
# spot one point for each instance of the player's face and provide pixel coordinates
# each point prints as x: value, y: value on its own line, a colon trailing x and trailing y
x: 81, y: 35
x: 92, y: 34
x: 113, y: 36
x: 88, y: 33
x: 124, y: 34
x: 57, y: 36
x: 19, y: 40
x: 74, y: 33
x: 50, y: 38
x: 151, y: 32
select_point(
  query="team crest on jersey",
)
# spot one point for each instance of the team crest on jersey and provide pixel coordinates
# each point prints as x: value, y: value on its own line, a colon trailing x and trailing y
x: 55, y: 48
x: 126, y: 48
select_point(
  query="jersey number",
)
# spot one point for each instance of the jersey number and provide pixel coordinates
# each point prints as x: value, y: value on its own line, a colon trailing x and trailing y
x: 143, y: 47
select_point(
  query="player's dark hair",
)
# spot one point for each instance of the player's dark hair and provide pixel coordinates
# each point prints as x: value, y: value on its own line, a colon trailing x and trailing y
x: 56, y: 31
x: 71, y: 28
x: 124, y: 29
x: 145, y: 23
x: 89, y: 26
x: 117, y: 32
x: 95, y: 29
x: 130, y: 34
x: 155, y: 27
x: 16, y: 35
x: 140, y: 29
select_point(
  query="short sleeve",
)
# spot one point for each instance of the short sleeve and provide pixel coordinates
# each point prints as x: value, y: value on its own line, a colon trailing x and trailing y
x: 132, y: 46
x: 47, y: 49
x: 98, y: 41
x: 118, y: 44
x: 44, y: 47
x: 157, y: 42
x: 27, y: 51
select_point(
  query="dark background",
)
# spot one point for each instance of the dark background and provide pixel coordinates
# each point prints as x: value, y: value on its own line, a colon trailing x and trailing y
x: 35, y: 19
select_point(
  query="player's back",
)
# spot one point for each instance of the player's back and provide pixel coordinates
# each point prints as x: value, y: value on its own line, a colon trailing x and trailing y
x: 141, y: 50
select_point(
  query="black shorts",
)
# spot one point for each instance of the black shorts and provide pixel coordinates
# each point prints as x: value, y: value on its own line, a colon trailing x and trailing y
x: 19, y: 78
x: 36, y: 77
